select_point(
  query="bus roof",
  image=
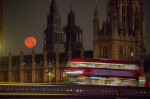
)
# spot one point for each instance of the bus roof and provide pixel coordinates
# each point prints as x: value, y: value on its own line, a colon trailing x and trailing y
x: 101, y: 60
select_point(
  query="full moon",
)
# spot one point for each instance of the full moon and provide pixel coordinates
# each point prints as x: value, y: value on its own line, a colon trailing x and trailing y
x: 30, y: 42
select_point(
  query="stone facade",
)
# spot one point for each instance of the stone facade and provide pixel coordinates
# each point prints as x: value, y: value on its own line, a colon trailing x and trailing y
x: 121, y: 38
x: 54, y: 33
x: 27, y: 69
x: 122, y: 34
x: 46, y: 67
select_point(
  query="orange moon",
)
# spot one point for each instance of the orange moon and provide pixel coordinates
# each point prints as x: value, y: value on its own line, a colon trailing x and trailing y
x: 30, y: 42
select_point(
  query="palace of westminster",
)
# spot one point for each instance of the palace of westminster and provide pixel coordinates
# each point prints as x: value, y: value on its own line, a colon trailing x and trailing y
x: 121, y: 37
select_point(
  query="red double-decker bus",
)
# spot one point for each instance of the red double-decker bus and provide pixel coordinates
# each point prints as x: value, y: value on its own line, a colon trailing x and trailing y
x: 102, y: 72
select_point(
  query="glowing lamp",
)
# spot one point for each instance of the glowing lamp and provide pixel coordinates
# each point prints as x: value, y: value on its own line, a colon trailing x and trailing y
x: 132, y: 54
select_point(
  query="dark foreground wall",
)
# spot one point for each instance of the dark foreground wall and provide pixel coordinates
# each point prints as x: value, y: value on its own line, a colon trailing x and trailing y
x: 72, y: 92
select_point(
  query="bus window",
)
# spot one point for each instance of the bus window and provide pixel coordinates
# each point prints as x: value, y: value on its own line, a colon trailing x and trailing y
x: 114, y: 66
x: 71, y: 64
x: 107, y: 65
x: 100, y: 65
x: 82, y: 64
x: 76, y: 64
x: 130, y: 67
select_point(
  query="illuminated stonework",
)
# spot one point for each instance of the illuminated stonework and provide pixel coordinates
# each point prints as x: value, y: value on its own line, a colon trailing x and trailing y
x: 122, y: 32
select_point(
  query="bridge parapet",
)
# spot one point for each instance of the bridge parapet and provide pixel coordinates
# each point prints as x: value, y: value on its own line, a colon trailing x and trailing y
x: 12, y: 90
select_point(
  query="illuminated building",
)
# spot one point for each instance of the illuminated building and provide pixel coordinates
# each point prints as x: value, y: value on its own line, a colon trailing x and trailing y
x: 46, y: 67
x: 116, y: 40
x: 122, y: 34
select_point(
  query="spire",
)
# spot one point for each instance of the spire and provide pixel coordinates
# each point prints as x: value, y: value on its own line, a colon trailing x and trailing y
x: 71, y: 7
x: 96, y: 4
x: 53, y: 7
x: 71, y: 18
x: 96, y: 23
x: 21, y: 51
x: 96, y: 13
x: 107, y: 10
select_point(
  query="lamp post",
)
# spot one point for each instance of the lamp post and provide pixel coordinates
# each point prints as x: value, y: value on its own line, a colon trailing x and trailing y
x: 64, y: 76
x: 49, y: 72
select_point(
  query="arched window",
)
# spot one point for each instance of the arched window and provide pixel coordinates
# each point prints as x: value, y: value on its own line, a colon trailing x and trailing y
x: 120, y: 53
x: 105, y: 52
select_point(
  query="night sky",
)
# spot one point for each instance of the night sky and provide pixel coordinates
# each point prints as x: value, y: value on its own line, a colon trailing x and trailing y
x: 24, y: 18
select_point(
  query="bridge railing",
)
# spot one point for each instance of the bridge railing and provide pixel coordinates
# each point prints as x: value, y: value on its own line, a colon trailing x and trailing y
x: 108, y: 92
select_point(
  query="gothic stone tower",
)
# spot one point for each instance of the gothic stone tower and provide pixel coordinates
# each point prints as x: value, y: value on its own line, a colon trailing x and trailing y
x: 54, y: 33
x: 122, y: 35
x: 0, y: 31
x: 73, y: 34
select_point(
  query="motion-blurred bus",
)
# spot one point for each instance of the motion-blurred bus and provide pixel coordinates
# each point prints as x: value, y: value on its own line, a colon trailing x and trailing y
x: 102, y: 72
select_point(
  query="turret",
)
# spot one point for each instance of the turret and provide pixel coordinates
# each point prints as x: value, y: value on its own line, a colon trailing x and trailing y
x: 71, y: 18
x: 53, y: 7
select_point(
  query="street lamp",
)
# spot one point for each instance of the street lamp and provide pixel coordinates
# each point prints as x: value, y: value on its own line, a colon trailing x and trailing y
x: 64, y: 76
x: 48, y: 70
